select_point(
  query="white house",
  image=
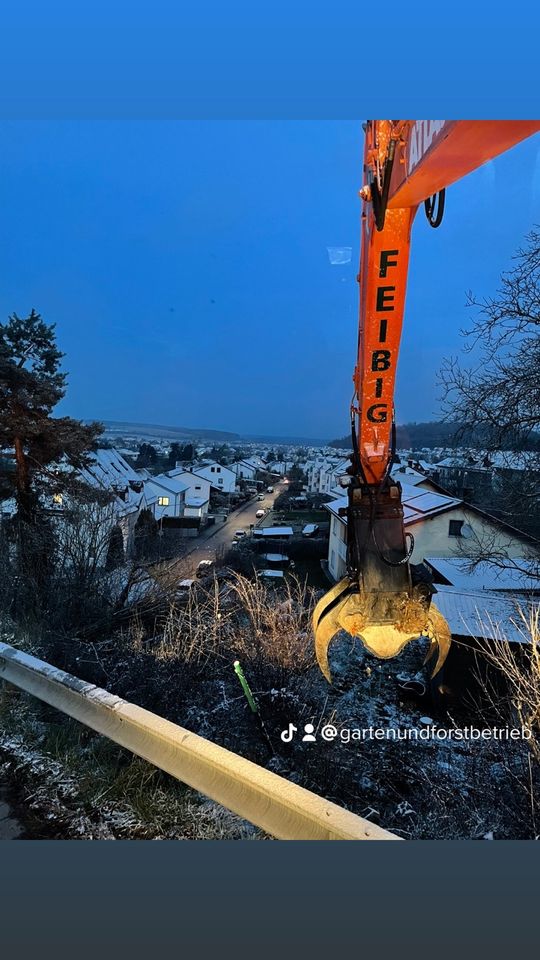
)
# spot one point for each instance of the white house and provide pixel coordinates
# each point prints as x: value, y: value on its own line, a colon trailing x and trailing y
x: 244, y: 470
x: 195, y: 507
x: 220, y: 477
x: 442, y: 526
x: 170, y: 493
x: 197, y: 493
x: 323, y: 475
x: 107, y: 472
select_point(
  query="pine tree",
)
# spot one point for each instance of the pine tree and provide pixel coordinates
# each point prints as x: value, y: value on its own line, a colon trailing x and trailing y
x: 147, y: 456
x: 31, y: 385
x: 175, y: 454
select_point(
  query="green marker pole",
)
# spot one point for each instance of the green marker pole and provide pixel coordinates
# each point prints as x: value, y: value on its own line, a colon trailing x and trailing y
x: 254, y: 706
x: 245, y: 687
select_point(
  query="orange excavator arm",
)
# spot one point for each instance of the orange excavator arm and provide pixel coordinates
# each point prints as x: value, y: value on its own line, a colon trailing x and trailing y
x: 406, y: 162
x: 384, y: 599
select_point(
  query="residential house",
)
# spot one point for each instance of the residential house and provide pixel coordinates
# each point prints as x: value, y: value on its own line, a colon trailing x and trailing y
x: 197, y: 493
x: 220, y: 477
x: 441, y: 526
x: 108, y: 470
x: 170, y: 493
x: 323, y: 475
x: 244, y: 470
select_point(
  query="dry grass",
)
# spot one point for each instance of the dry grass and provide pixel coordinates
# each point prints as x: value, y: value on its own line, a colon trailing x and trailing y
x: 519, y: 665
x: 239, y: 617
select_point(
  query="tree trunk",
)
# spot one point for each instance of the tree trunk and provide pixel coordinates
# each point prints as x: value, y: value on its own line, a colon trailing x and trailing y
x: 24, y: 493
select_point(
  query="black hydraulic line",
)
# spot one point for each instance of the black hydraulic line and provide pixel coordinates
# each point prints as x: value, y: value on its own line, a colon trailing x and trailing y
x: 379, y: 198
x: 429, y: 206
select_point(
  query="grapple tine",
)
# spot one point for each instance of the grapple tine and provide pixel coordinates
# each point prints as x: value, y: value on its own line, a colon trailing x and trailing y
x: 430, y: 651
x: 325, y: 630
x: 441, y: 635
x: 329, y: 598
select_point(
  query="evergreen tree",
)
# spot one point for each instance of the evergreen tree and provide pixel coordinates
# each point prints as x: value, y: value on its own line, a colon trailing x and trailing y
x: 147, y: 456
x: 187, y: 453
x: 31, y: 385
x: 175, y: 453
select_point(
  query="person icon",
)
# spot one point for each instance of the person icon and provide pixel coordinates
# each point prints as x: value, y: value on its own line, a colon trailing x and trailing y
x: 309, y: 728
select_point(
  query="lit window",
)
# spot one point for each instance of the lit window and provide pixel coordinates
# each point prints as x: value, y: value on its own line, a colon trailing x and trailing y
x: 57, y: 498
x: 163, y: 501
x: 454, y: 528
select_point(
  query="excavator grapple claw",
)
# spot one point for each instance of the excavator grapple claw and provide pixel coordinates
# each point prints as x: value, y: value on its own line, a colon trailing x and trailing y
x: 384, y: 601
x: 385, y: 623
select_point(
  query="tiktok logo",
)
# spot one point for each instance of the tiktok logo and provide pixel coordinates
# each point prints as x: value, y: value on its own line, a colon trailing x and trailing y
x: 287, y: 735
x: 309, y: 733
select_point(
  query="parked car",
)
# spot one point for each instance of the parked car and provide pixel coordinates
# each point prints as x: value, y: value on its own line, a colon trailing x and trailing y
x: 185, y: 585
x: 204, y: 567
x: 239, y: 534
x: 260, y: 513
x: 261, y: 496
x: 269, y: 489
x: 310, y: 530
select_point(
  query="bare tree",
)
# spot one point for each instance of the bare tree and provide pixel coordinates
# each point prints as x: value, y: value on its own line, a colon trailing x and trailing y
x: 498, y: 393
x: 501, y: 391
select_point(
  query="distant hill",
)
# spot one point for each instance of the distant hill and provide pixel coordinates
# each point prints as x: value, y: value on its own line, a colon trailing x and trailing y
x: 300, y: 441
x: 414, y: 436
x: 119, y: 428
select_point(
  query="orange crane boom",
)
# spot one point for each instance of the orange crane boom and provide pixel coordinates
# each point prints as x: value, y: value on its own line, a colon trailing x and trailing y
x: 384, y: 599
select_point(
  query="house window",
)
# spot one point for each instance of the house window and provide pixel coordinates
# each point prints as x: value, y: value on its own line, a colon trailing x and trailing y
x: 454, y: 528
x: 197, y: 488
x: 219, y: 469
x: 220, y: 480
x: 163, y: 501
x: 212, y: 469
x: 57, y: 498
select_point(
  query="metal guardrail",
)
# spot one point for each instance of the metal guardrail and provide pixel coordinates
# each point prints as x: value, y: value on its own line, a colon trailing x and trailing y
x: 281, y: 808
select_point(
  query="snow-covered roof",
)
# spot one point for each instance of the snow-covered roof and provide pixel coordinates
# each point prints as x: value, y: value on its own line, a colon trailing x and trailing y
x: 273, y: 532
x: 409, y: 475
x: 106, y: 469
x: 196, y: 501
x: 485, y: 615
x: 517, y: 576
x: 206, y: 464
x: 417, y: 504
x: 169, y: 483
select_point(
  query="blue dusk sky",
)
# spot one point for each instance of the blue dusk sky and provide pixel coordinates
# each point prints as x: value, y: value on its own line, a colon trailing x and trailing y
x: 185, y: 264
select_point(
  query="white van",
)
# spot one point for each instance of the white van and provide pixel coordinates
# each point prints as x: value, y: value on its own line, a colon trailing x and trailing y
x: 239, y: 534
x: 260, y: 513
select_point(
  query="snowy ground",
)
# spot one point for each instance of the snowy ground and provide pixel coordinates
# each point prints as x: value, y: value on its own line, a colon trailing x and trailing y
x: 418, y: 788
